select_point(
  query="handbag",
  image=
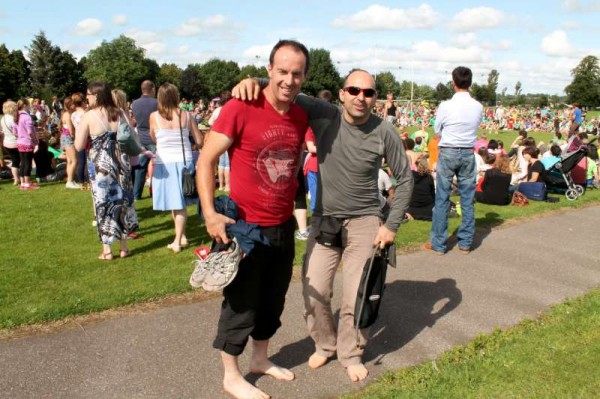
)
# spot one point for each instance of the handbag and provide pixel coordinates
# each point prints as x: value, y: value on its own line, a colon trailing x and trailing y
x: 188, y: 179
x: 535, y: 191
x: 127, y: 138
x: 519, y: 199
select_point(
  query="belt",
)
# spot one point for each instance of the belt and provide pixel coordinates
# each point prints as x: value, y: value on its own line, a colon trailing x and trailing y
x: 458, y: 148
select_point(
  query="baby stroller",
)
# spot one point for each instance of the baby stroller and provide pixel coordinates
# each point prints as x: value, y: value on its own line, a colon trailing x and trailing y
x: 559, y: 177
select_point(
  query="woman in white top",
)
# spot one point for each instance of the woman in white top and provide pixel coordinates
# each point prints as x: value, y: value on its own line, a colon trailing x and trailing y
x: 170, y: 129
x: 10, y: 139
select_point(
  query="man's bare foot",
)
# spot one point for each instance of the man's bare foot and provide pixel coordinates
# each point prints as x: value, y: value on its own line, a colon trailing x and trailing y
x: 267, y: 367
x: 357, y: 372
x: 239, y: 388
x: 315, y: 361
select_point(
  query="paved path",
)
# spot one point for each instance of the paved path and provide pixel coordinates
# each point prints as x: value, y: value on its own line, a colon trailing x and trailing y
x: 432, y: 303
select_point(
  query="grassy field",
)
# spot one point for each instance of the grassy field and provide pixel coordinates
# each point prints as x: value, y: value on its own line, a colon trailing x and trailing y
x: 554, y: 356
x: 49, y: 268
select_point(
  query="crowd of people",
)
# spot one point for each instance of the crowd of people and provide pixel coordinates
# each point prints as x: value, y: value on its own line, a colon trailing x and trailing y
x: 254, y: 150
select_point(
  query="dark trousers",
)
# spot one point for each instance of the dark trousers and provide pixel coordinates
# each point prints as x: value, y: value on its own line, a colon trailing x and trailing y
x: 81, y: 164
x: 254, y: 301
x: 26, y: 159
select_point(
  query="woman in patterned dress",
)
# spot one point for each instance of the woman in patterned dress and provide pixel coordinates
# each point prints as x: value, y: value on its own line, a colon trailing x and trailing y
x: 109, y: 171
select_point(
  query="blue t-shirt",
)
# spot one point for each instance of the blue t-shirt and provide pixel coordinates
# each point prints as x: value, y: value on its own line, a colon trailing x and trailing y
x: 549, y: 162
x: 578, y: 116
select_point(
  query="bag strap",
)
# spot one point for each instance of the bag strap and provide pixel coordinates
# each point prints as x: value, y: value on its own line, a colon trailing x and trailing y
x: 181, y: 133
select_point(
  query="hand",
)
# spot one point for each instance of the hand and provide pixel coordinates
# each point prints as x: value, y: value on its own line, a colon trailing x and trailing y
x: 247, y: 90
x: 215, y: 226
x: 384, y: 237
x: 148, y: 154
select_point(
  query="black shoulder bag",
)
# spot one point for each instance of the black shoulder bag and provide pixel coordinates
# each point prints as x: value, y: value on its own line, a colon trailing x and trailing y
x: 188, y: 179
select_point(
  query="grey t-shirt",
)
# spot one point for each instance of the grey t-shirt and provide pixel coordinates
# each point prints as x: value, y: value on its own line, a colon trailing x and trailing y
x: 142, y: 108
x: 349, y: 160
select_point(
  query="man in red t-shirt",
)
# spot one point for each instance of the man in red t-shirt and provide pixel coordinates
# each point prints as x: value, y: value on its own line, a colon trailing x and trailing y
x: 264, y: 141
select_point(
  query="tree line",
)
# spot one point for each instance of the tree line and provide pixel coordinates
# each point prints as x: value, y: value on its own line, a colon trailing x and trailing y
x: 50, y: 71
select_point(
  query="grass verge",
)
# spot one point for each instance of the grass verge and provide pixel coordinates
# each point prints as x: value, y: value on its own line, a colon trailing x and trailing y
x: 554, y: 356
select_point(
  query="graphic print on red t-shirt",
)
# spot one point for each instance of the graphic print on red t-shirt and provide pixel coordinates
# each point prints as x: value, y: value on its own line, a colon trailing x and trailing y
x: 264, y: 158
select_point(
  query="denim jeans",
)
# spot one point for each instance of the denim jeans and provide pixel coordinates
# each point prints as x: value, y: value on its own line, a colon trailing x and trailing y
x: 139, y: 173
x: 460, y: 163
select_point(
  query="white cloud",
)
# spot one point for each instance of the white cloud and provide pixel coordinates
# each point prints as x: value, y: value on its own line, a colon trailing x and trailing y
x: 557, y: 44
x: 142, y: 37
x: 155, y: 50
x: 474, y: 19
x: 504, y: 44
x: 572, y: 5
x: 119, y: 19
x: 258, y: 54
x: 88, y: 27
x: 183, y: 49
x: 570, y: 25
x: 377, y: 17
x: 464, y: 39
x: 197, y: 26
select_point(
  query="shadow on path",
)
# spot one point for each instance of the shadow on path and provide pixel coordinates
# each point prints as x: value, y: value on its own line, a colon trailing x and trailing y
x: 408, y: 308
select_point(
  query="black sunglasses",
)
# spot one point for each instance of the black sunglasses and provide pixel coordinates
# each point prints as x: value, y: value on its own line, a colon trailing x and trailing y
x: 355, y: 91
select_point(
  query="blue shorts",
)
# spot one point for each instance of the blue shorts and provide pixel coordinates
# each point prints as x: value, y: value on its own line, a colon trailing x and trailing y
x: 65, y: 141
x: 224, y: 161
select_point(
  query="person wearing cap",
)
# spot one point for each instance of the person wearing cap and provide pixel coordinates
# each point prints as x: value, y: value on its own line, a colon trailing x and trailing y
x: 456, y: 122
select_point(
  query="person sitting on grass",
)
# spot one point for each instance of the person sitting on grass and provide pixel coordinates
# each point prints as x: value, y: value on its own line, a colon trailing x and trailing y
x: 592, y: 175
x: 551, y: 157
x: 494, y: 188
x: 423, y: 196
x: 535, y: 170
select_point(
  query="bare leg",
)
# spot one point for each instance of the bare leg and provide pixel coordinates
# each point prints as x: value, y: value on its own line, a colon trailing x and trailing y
x: 235, y: 384
x: 221, y: 173
x: 15, y: 173
x: 357, y: 372
x: 180, y: 218
x: 226, y: 176
x: 71, y: 163
x: 260, y: 363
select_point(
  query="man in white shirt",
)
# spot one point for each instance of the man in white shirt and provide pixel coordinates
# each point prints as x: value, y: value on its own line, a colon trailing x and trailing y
x: 456, y: 122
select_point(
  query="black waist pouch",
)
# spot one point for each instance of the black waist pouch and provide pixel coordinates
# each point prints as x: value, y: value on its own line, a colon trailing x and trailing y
x: 329, y: 231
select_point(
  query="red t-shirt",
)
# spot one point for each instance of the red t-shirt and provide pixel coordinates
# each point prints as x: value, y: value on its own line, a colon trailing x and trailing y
x: 312, y: 165
x: 264, y: 158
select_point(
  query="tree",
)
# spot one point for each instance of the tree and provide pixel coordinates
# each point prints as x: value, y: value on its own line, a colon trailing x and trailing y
x: 492, y: 86
x: 40, y: 56
x: 190, y: 82
x: 322, y: 74
x: 518, y: 89
x: 479, y: 92
x: 585, y: 87
x: 251, y: 71
x: 169, y: 73
x: 153, y: 70
x: 119, y: 63
x: 442, y: 92
x: 14, y: 74
x: 217, y: 76
x: 65, y: 77
x: 385, y: 82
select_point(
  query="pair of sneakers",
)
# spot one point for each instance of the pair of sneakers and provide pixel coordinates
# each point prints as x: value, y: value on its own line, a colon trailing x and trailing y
x: 29, y: 187
x: 72, y: 185
x: 216, y: 267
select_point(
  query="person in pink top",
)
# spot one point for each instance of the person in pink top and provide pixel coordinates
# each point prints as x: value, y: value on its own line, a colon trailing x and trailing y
x: 27, y: 139
x: 481, y: 142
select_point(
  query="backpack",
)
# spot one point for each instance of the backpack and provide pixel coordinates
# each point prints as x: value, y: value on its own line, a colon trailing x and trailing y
x: 127, y: 138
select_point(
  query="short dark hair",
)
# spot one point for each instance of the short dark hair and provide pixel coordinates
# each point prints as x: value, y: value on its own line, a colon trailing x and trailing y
x: 296, y: 45
x: 555, y: 150
x: 531, y: 151
x: 462, y: 77
x: 325, y: 95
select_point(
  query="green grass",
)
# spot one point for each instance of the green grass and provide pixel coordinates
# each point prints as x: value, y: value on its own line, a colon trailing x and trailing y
x: 49, y: 268
x: 554, y: 356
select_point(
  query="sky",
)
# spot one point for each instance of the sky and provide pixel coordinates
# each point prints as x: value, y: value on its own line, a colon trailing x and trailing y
x: 535, y: 42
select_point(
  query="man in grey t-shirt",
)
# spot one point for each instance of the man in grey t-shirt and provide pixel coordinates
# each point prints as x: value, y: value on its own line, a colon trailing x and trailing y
x: 142, y: 108
x: 351, y: 143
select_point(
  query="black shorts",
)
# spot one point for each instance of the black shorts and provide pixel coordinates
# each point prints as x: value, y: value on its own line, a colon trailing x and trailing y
x: 253, y: 302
